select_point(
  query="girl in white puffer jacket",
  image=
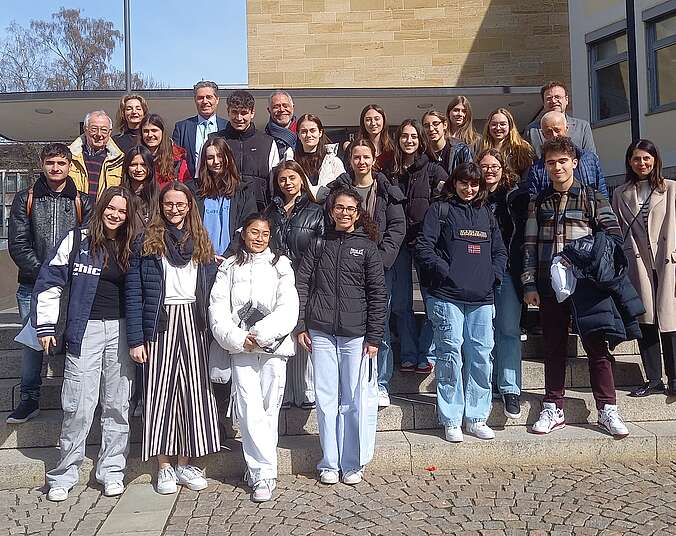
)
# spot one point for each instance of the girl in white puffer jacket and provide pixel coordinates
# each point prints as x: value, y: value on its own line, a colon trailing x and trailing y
x: 252, y: 312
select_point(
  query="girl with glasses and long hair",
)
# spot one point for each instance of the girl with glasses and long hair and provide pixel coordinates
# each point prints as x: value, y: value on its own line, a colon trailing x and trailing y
x: 167, y: 297
x: 450, y: 152
x: 343, y: 303
x: 97, y: 367
x: 253, y: 310
x: 500, y: 133
x: 462, y: 256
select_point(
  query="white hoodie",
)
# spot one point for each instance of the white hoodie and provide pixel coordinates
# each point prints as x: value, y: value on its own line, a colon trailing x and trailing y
x: 259, y: 282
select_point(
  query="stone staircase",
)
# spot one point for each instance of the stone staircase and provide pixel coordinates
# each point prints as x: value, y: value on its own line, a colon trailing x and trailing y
x: 409, y: 438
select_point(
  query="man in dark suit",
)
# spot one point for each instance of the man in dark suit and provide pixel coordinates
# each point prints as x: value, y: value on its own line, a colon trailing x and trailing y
x: 191, y: 133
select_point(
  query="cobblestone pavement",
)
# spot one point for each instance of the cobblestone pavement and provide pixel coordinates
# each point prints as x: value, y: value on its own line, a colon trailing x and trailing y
x: 27, y: 511
x: 610, y: 500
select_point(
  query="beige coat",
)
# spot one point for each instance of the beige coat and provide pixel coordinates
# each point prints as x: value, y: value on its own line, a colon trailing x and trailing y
x: 659, y: 241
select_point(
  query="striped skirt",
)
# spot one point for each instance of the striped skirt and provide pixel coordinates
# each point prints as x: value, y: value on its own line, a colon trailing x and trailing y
x: 179, y: 414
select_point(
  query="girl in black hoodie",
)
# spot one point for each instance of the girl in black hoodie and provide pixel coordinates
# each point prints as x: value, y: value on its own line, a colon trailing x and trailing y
x: 462, y: 257
x: 342, y: 312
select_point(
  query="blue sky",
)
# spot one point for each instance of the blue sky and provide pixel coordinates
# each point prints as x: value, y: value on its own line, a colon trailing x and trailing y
x: 164, y: 37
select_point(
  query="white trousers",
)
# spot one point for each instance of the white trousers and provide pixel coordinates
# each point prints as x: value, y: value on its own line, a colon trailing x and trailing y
x: 258, y: 388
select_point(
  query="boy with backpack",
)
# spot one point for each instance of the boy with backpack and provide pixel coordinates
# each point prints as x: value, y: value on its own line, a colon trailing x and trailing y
x: 565, y: 211
x: 39, y: 219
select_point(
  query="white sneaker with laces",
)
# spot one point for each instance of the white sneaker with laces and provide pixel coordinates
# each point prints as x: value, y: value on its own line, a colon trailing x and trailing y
x: 352, y: 478
x: 480, y: 429
x: 610, y: 421
x: 453, y: 434
x: 191, y: 477
x: 551, y: 418
x: 113, y: 489
x: 166, y: 481
x: 329, y: 477
x: 383, y: 398
x: 262, y: 490
x: 57, y: 494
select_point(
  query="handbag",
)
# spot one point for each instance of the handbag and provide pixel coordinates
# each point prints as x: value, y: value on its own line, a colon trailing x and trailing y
x: 220, y: 364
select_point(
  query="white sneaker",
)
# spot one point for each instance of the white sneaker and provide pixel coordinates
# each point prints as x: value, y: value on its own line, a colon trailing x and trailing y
x: 480, y: 429
x: 57, y: 494
x: 192, y: 477
x: 329, y: 477
x: 351, y: 478
x: 166, y: 481
x: 383, y: 398
x: 263, y: 490
x: 610, y: 420
x: 113, y: 489
x: 453, y: 434
x: 551, y: 418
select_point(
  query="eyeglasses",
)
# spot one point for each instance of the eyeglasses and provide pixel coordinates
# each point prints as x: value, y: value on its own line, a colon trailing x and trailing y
x: 180, y: 206
x: 347, y: 210
x: 98, y: 130
x: 492, y: 167
x: 434, y: 124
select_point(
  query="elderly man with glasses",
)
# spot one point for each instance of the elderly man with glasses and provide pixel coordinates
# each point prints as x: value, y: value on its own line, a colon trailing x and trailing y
x: 97, y: 160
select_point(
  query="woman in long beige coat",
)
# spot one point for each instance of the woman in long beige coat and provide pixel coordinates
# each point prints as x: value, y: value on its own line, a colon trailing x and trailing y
x: 646, y: 208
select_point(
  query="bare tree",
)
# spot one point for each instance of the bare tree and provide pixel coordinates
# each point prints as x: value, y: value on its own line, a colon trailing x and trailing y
x: 22, y: 64
x: 115, y: 79
x: 83, y: 47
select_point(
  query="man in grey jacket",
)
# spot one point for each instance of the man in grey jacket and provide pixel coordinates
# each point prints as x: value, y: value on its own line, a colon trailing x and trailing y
x: 555, y: 99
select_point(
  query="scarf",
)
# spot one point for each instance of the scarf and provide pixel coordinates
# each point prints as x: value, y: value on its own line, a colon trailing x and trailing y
x: 282, y: 135
x: 179, y: 252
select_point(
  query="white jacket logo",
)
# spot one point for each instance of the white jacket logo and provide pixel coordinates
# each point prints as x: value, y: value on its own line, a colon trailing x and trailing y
x: 85, y: 269
x: 357, y: 252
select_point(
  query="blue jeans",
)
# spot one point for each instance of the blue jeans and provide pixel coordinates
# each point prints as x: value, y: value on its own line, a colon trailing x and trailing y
x: 414, y: 347
x: 385, y: 355
x: 463, y: 372
x: 31, y: 360
x: 507, y: 351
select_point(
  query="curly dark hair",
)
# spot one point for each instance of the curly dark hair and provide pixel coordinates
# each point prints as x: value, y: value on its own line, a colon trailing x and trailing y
x: 240, y: 99
x: 363, y: 219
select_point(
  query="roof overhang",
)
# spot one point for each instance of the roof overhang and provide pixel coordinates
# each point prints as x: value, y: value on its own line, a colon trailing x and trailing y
x: 56, y: 116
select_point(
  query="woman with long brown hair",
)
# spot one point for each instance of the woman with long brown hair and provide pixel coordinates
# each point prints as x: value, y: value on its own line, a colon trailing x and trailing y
x: 646, y: 209
x: 316, y: 155
x: 500, y: 133
x: 223, y: 199
x: 91, y: 262
x: 459, y: 115
x: 170, y: 159
x: 448, y: 151
x: 167, y: 298
x: 138, y: 175
x: 373, y: 127
x: 131, y: 111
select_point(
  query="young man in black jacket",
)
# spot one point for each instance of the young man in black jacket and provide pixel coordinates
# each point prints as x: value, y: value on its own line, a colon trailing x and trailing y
x: 39, y: 219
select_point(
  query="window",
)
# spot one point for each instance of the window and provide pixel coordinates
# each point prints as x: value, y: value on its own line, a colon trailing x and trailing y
x: 609, y: 74
x: 661, y: 49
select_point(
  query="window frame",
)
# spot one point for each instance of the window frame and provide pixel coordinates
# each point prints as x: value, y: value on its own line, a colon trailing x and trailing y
x: 650, y: 18
x: 593, y: 40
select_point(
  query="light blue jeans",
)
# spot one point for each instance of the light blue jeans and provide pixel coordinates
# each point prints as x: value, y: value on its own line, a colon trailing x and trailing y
x: 507, y: 351
x: 341, y: 377
x: 385, y: 355
x: 463, y: 371
x: 415, y: 347
x: 31, y: 360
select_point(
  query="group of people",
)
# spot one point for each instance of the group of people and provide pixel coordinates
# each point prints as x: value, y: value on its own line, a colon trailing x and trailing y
x: 277, y: 258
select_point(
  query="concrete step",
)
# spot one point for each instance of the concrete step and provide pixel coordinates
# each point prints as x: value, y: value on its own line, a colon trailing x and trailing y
x: 10, y: 364
x: 396, y: 452
x: 9, y: 330
x: 406, y: 413
x: 628, y: 373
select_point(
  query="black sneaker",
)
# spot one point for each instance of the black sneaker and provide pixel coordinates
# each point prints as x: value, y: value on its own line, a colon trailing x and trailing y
x: 26, y: 410
x: 512, y: 406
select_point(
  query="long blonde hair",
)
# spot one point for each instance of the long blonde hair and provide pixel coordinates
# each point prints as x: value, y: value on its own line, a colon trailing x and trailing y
x: 153, y: 243
x: 517, y: 151
x: 465, y: 132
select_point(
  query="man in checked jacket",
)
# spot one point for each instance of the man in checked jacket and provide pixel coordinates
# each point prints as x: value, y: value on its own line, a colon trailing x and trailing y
x: 565, y: 211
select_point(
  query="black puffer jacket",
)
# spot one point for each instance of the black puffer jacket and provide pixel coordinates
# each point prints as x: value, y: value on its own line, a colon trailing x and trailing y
x: 510, y: 209
x: 341, y: 286
x: 52, y: 216
x: 388, y: 215
x: 604, y: 299
x: 420, y: 183
x: 293, y: 234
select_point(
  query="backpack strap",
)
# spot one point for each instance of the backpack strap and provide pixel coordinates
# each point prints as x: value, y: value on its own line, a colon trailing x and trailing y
x: 29, y: 202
